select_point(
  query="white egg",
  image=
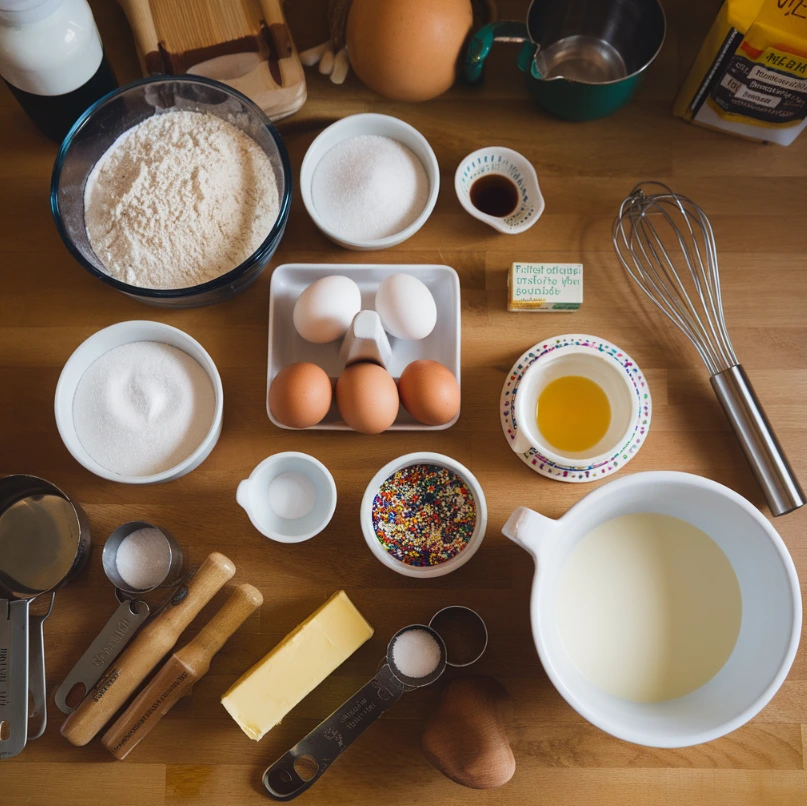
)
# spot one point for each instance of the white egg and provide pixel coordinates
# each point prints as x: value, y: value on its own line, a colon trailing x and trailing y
x: 325, y: 310
x: 406, y: 307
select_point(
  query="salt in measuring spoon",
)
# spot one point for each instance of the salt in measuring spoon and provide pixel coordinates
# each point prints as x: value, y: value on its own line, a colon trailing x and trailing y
x: 163, y: 569
x: 301, y: 767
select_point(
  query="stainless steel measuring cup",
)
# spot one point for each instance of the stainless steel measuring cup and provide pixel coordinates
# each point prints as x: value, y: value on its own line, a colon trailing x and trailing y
x: 44, y: 542
x: 132, y: 611
x: 302, y: 766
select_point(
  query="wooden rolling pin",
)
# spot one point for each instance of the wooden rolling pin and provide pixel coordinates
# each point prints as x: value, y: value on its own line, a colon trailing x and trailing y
x: 149, y: 646
x: 179, y: 673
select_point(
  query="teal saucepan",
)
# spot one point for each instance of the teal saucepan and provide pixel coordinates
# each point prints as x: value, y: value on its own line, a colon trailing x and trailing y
x: 584, y: 59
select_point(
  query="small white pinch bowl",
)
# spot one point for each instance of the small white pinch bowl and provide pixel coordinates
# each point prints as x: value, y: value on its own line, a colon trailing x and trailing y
x: 102, y: 342
x: 384, y: 126
x: 515, y: 166
x: 253, y: 495
x: 427, y: 571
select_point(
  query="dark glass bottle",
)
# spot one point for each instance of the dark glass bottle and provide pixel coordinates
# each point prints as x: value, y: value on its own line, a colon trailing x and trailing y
x: 52, y: 60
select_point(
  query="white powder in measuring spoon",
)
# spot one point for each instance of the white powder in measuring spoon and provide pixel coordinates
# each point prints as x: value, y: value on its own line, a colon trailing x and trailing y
x: 142, y: 408
x: 178, y: 200
x: 143, y: 558
x: 415, y: 653
x: 369, y: 187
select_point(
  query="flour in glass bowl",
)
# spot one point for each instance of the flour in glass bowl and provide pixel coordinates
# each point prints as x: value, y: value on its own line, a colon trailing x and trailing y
x: 179, y: 200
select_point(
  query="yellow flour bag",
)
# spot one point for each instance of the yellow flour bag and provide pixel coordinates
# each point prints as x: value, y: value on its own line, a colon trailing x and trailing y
x: 750, y: 77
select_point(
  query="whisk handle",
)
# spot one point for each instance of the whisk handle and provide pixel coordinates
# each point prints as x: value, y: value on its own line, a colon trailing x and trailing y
x: 759, y: 443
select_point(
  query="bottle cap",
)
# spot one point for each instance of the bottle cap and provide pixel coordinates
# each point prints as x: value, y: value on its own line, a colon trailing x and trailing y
x: 27, y: 11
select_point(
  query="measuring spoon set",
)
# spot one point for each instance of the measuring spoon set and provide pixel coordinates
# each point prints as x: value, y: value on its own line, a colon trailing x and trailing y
x: 44, y: 543
x: 461, y: 636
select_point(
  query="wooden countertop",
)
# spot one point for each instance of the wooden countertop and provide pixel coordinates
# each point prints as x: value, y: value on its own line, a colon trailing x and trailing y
x: 754, y: 196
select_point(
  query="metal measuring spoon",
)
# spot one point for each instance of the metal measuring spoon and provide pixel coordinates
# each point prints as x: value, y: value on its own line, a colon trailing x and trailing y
x: 464, y: 633
x: 44, y: 542
x: 302, y: 766
x: 132, y: 611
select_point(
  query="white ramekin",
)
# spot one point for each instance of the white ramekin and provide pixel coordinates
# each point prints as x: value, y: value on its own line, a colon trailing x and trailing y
x: 423, y: 458
x: 384, y: 126
x: 253, y: 496
x: 102, y: 342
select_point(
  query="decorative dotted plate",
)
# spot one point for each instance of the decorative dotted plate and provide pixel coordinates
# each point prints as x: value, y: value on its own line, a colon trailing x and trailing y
x: 541, y: 464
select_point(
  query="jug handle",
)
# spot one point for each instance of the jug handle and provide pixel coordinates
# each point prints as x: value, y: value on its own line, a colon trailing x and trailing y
x: 529, y: 530
x: 482, y: 41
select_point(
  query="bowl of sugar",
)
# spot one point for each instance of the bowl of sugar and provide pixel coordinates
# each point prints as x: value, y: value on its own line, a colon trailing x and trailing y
x: 369, y: 181
x: 139, y: 403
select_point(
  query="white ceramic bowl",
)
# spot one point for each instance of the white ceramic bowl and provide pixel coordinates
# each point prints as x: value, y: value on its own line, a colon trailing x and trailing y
x: 771, y: 607
x: 384, y: 126
x: 515, y: 166
x: 102, y: 342
x: 597, y: 366
x: 458, y: 560
x: 253, y: 496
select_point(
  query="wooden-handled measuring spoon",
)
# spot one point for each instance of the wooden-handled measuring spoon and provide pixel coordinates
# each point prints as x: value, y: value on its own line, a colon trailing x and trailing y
x: 179, y: 673
x: 149, y: 646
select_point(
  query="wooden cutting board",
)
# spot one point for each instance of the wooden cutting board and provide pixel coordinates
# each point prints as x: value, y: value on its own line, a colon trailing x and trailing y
x: 244, y: 43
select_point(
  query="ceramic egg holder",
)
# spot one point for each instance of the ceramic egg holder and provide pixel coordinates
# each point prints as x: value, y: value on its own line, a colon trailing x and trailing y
x: 366, y: 340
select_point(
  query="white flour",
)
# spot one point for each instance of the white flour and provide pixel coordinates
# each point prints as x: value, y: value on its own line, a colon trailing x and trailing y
x: 178, y: 200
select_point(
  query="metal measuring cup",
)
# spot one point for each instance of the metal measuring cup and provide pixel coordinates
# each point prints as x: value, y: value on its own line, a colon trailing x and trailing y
x: 132, y: 611
x: 44, y: 542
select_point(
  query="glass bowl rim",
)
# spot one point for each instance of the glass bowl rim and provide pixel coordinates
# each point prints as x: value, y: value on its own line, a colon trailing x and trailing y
x: 211, y: 285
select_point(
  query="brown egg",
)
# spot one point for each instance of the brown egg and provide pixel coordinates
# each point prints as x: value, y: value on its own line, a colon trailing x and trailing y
x: 367, y: 398
x: 429, y: 392
x: 300, y: 395
x: 407, y: 50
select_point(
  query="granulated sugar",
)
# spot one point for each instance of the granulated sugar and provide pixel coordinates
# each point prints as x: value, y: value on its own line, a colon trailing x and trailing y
x: 143, y: 408
x: 178, y: 200
x: 143, y: 558
x: 415, y: 653
x: 369, y: 187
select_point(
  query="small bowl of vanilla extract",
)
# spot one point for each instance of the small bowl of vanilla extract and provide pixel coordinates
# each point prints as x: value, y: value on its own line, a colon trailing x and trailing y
x: 499, y: 187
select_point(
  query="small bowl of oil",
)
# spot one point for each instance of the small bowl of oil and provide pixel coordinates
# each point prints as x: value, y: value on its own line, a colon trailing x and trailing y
x: 576, y: 406
x: 499, y: 186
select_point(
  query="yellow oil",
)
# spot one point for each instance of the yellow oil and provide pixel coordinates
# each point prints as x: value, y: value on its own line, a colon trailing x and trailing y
x: 573, y: 413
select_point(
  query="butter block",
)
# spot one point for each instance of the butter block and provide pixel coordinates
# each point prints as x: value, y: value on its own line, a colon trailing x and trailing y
x: 545, y: 287
x: 262, y: 696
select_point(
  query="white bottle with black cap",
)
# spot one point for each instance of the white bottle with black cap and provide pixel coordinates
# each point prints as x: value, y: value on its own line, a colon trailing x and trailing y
x: 52, y: 59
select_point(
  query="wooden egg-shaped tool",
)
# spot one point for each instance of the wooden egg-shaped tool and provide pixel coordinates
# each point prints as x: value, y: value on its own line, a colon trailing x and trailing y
x: 465, y: 737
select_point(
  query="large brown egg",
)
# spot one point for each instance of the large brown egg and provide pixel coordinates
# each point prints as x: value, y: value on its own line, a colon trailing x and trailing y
x: 367, y: 398
x: 407, y: 50
x: 300, y: 395
x: 429, y: 392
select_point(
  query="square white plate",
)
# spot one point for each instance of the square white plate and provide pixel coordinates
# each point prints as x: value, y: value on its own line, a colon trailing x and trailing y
x: 286, y: 346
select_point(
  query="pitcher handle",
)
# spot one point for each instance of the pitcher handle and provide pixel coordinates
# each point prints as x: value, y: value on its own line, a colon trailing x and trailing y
x: 529, y: 530
x: 482, y: 41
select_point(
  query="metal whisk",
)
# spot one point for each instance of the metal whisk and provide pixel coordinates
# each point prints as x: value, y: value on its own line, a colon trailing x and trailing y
x: 666, y: 244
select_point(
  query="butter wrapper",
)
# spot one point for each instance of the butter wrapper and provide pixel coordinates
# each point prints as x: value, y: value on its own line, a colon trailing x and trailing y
x: 545, y: 287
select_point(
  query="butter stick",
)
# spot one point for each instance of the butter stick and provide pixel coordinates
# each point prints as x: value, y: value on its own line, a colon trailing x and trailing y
x: 545, y: 287
x: 262, y: 696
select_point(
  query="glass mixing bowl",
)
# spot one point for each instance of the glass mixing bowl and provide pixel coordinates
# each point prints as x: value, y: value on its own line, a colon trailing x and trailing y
x: 98, y: 128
